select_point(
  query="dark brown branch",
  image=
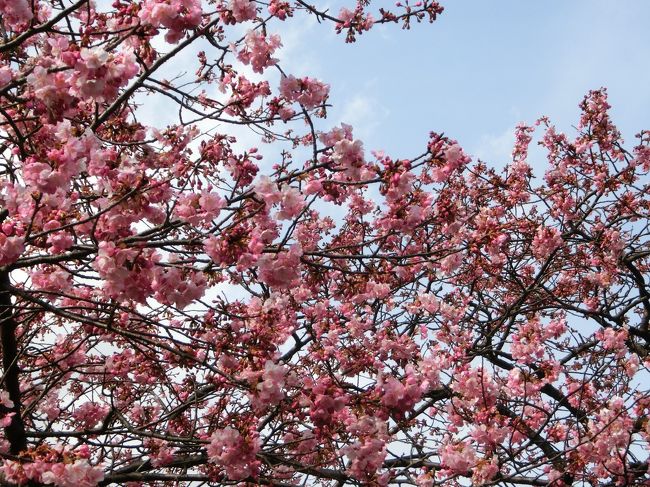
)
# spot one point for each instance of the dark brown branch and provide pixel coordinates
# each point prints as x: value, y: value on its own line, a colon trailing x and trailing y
x: 15, y: 432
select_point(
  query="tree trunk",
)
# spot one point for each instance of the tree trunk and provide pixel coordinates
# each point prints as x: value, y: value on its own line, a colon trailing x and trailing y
x: 15, y: 432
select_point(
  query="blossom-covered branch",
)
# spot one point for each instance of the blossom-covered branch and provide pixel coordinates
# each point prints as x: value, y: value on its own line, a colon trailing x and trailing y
x: 181, y: 306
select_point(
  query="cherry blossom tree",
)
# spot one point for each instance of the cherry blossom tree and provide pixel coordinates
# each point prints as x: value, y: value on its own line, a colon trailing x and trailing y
x: 177, y: 308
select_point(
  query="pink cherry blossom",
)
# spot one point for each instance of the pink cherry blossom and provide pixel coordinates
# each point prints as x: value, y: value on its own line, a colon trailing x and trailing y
x: 291, y: 204
x: 10, y: 248
x: 204, y: 281
x: 546, y: 241
x: 258, y: 50
x: 307, y: 91
x: 235, y: 453
x: 5, y: 75
x: 242, y: 10
x: 5, y: 400
x: 458, y: 457
x: 268, y: 190
x: 281, y: 270
x: 269, y: 389
x: 176, y: 15
x: 90, y: 414
x: 94, y: 58
x: 16, y: 12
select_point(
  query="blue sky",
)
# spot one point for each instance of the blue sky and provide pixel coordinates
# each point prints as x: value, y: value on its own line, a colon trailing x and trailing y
x: 481, y: 68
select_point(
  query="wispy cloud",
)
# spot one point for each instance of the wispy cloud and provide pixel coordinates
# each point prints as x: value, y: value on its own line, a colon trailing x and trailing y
x: 365, y: 113
x: 495, y: 149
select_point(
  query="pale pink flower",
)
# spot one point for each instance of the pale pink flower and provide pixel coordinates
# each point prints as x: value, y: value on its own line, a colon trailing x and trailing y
x: 528, y: 342
x: 454, y: 158
x: 41, y: 176
x: 424, y: 480
x: 90, y: 414
x: 346, y: 16
x: 307, y: 91
x: 243, y: 10
x: 268, y: 190
x: 56, y: 279
x: 258, y: 50
x: 348, y: 153
x: 313, y: 187
x: 172, y: 287
x: 163, y: 456
x: 269, y: 389
x: 5, y: 75
x: 236, y: 454
x: 291, y: 204
x: 547, y: 240
x: 16, y: 13
x: 614, y: 340
x: 333, y: 136
x: 94, y: 58
x: 281, y: 270
x: 10, y: 248
x: 6, y: 419
x: 458, y: 457
x: 60, y: 242
x: 81, y: 474
x: 211, y: 204
x: 5, y: 400
x: 366, y: 457
x: 176, y: 15
x: 398, y: 395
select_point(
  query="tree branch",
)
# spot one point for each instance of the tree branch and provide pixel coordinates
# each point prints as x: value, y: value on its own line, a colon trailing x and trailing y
x: 15, y: 432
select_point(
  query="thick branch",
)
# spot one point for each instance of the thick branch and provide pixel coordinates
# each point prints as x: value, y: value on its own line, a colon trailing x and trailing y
x: 15, y: 432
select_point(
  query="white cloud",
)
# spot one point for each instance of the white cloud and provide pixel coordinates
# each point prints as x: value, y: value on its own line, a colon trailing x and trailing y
x: 365, y: 114
x: 299, y: 54
x: 496, y: 149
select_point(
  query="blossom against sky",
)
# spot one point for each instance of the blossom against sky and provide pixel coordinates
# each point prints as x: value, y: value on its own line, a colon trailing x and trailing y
x: 481, y: 68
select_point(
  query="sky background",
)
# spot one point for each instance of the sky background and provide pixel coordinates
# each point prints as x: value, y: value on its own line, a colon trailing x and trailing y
x: 477, y: 71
